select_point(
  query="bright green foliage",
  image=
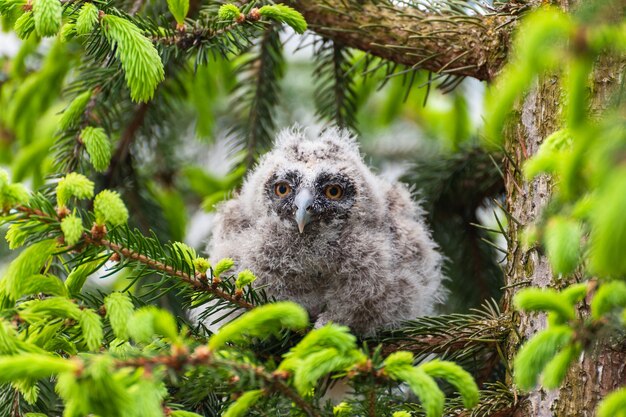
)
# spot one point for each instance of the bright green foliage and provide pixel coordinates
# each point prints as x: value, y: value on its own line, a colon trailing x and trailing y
x: 562, y: 240
x: 77, y: 277
x: 27, y: 264
x: 554, y: 372
x: 240, y: 407
x: 87, y: 19
x: 187, y: 252
x: 181, y: 413
x: 179, y: 9
x: 72, y: 227
x: 610, y: 295
x: 401, y: 414
x: 536, y: 299
x: 11, y: 194
x: 73, y: 185
x: 608, y: 37
x: 328, y: 349
x: 24, y: 25
x: 316, y: 365
x: 284, y: 14
x: 201, y: 265
x: 536, y: 353
x: 399, y: 366
x: 343, y: 409
x: 84, y: 395
x: 245, y: 277
x: 222, y: 266
x: 574, y: 293
x: 609, y: 227
x: 16, y: 236
x: 47, y: 14
x: 30, y: 365
x: 228, y: 12
x: 261, y: 322
x: 614, y: 405
x: 142, y: 65
x: 149, y: 321
x: 329, y: 336
x: 68, y: 31
x: 546, y: 159
x: 98, y: 147
x: 119, y: 309
x: 456, y: 376
x: 91, y: 325
x: 109, y: 208
x: 40, y: 309
x: 42, y: 284
x: 73, y: 113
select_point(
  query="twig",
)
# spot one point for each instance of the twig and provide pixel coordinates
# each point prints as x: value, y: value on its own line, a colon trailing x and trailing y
x: 204, y: 357
x: 194, y: 281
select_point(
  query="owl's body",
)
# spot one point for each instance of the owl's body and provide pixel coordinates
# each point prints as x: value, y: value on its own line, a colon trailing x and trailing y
x: 319, y: 228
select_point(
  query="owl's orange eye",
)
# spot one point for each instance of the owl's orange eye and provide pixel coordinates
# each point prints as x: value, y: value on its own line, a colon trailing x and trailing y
x: 333, y: 192
x: 282, y: 189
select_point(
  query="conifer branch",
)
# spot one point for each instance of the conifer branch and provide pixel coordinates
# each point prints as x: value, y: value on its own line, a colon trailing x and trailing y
x: 441, y: 39
x: 194, y: 281
x: 335, y: 93
x: 257, y: 93
x: 97, y: 238
x: 450, y: 333
x: 204, y: 357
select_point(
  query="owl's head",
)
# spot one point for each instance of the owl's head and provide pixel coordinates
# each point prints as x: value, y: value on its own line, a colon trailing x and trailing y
x: 314, y: 181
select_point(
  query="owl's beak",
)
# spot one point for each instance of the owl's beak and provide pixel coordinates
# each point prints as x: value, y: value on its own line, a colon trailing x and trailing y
x: 303, y: 201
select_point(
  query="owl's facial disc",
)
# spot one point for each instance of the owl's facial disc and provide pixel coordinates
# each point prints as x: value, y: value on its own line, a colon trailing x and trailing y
x: 303, y: 201
x: 309, y: 202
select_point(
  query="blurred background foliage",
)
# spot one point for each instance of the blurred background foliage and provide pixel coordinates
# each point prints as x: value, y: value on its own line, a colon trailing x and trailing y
x: 177, y: 156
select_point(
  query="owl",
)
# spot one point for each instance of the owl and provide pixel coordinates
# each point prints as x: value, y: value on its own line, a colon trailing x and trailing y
x: 319, y: 228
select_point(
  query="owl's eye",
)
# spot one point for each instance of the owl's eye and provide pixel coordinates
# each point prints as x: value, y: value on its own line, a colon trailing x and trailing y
x: 282, y: 189
x: 333, y: 192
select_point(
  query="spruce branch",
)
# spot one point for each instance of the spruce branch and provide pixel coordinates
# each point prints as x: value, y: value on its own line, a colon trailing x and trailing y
x: 97, y: 238
x: 256, y: 95
x: 335, y: 94
x: 195, y: 281
x: 201, y: 356
x: 452, y: 334
x: 436, y: 36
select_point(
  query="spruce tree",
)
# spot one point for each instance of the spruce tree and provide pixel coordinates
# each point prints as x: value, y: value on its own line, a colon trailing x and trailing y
x: 95, y: 113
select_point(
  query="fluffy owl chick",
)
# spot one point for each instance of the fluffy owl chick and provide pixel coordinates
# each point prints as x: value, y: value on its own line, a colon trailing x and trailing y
x: 319, y: 228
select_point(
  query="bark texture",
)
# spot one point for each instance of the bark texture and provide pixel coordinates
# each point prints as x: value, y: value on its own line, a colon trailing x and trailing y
x: 446, y: 42
x: 603, y: 366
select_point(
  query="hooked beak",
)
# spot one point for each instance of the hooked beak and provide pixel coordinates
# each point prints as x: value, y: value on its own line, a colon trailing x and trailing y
x: 303, y: 201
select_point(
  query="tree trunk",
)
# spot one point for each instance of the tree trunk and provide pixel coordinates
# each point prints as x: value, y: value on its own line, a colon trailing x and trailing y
x: 602, y: 367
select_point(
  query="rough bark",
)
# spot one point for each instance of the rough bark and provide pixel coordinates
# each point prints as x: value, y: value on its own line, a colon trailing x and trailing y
x: 446, y: 42
x: 603, y: 366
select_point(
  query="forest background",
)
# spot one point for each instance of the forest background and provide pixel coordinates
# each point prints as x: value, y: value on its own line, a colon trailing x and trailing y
x: 170, y: 103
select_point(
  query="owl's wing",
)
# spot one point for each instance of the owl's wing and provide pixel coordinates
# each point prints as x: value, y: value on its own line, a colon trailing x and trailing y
x: 416, y: 258
x: 231, y: 222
